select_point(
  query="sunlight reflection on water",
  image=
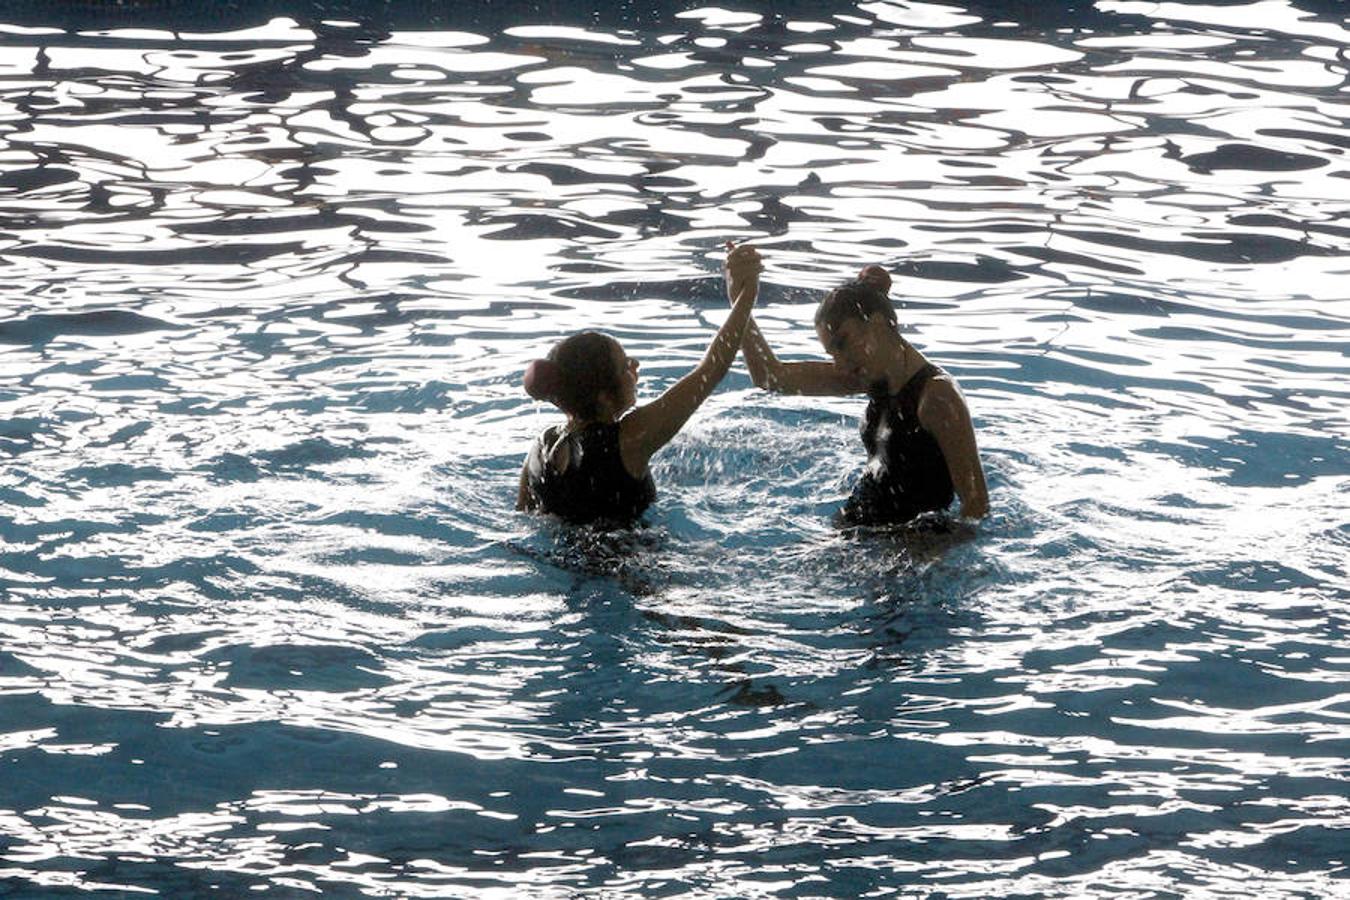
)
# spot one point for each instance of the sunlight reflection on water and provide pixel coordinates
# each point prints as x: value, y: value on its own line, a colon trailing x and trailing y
x: 268, y: 622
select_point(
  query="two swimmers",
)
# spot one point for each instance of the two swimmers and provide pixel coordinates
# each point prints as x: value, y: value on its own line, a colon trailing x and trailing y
x: 917, y: 430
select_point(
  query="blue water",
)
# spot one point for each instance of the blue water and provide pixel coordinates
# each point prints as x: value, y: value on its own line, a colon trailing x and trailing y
x: 269, y: 624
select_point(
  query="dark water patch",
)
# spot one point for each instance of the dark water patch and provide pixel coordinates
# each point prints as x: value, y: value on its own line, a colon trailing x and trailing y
x: 393, y: 309
x: 1250, y: 342
x: 231, y: 467
x: 14, y: 497
x: 326, y: 364
x: 89, y: 580
x: 22, y: 180
x: 41, y: 328
x: 402, y: 524
x: 1252, y: 158
x: 222, y: 522
x: 1261, y: 459
x: 434, y: 396
x: 986, y: 270
x: 379, y: 556
x: 1317, y: 137
x: 1228, y: 248
x: 372, y: 255
x: 1105, y: 359
x: 1112, y: 453
x: 131, y: 383
x: 117, y: 475
x: 1060, y: 257
x: 748, y: 693
x: 184, y: 642
x: 299, y: 458
x: 1183, y: 502
x: 55, y: 532
x: 708, y: 290
x: 564, y: 175
x: 457, y: 638
x: 686, y: 624
x: 11, y: 667
x: 25, y: 433
x: 200, y: 255
x: 1303, y: 226
x: 127, y: 433
x: 250, y: 226
x: 310, y: 667
x: 1048, y: 368
x: 528, y: 226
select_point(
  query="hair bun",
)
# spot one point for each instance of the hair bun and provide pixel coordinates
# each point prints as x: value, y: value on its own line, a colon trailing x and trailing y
x: 876, y: 275
x: 541, y: 379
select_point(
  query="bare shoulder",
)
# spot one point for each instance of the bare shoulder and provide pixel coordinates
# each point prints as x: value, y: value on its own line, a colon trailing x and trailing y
x: 942, y: 401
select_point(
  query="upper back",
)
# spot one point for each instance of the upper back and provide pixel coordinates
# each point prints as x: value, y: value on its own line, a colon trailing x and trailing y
x: 580, y: 475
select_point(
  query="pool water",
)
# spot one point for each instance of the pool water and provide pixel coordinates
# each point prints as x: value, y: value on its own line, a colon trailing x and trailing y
x: 268, y: 620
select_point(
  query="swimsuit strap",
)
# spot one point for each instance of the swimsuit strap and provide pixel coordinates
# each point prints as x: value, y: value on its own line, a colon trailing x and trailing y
x: 907, y: 398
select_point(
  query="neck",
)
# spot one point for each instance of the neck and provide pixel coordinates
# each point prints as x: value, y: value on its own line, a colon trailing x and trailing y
x: 604, y: 415
x: 903, y: 363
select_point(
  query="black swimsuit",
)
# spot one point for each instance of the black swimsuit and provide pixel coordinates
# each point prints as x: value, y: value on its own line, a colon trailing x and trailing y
x: 906, y: 472
x: 595, y: 485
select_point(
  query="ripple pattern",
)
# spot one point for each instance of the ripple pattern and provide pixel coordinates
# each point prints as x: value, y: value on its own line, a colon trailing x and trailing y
x: 268, y: 622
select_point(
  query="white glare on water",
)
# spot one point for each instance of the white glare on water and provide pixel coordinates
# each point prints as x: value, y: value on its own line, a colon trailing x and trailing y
x: 269, y: 620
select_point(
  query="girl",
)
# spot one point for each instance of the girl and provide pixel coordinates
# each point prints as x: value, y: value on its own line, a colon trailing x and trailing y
x: 917, y: 431
x: 595, y: 466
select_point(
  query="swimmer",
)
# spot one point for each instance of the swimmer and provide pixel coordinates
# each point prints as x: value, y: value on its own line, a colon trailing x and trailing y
x: 919, y: 438
x: 595, y: 466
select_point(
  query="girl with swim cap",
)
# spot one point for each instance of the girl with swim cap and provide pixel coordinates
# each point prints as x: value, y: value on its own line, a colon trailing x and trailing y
x: 595, y: 466
x: 917, y: 431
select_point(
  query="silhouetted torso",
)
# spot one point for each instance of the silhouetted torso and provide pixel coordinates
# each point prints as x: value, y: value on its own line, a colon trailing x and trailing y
x: 906, y: 472
x: 595, y: 485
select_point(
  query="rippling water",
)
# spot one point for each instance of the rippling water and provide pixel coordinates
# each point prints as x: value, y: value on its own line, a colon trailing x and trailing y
x: 268, y: 622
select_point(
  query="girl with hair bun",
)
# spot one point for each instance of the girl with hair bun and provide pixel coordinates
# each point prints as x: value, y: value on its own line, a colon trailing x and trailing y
x: 595, y: 466
x: 917, y: 431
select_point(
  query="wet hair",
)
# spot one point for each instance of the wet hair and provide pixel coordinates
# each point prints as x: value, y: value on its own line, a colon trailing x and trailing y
x: 863, y: 298
x: 575, y: 373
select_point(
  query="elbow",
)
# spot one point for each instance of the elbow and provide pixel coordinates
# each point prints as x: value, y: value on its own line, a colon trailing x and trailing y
x: 765, y: 378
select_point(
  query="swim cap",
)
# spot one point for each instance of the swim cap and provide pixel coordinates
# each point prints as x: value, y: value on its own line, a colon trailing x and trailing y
x: 876, y: 275
x: 541, y: 379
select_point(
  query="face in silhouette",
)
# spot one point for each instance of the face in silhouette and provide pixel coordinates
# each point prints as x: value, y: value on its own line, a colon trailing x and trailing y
x: 859, y: 347
x: 625, y: 391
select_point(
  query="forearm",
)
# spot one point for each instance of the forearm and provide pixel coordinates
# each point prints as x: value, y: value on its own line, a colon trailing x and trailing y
x: 769, y: 373
x: 971, y: 489
x: 648, y: 428
x: 765, y: 368
x: 731, y: 336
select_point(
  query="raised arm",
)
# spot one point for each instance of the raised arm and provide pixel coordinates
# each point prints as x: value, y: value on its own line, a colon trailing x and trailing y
x: 772, y: 374
x: 649, y: 428
x: 821, y: 377
x: 943, y: 412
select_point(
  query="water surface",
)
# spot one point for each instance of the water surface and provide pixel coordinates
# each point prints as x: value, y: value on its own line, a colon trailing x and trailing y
x: 268, y: 622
